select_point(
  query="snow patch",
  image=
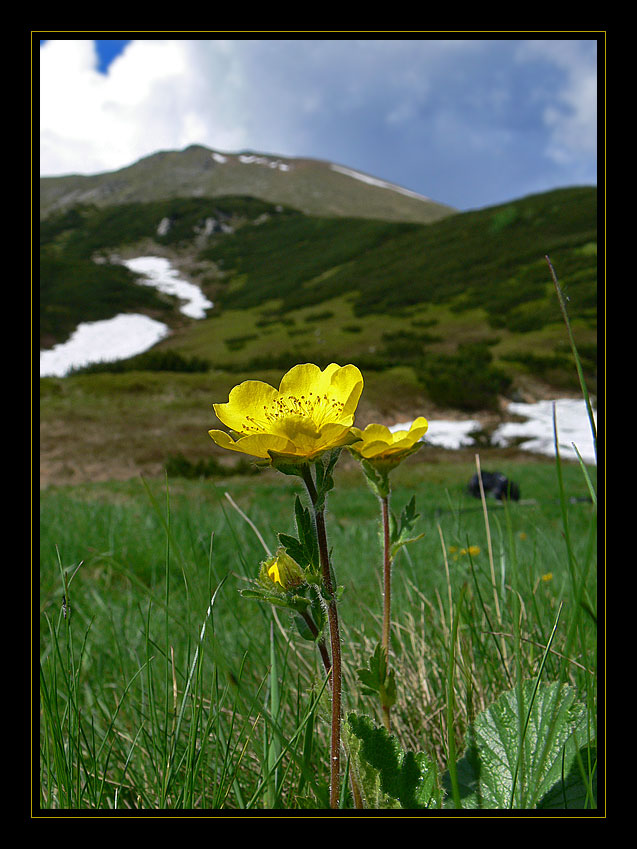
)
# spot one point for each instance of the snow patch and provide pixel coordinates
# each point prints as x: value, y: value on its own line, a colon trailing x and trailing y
x: 126, y: 334
x: 253, y: 159
x: 158, y: 272
x: 102, y: 341
x: 536, y: 432
x: 374, y: 181
x: 573, y: 427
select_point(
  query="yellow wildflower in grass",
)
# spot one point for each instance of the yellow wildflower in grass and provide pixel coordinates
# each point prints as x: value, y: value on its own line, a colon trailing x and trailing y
x: 311, y: 412
x: 547, y: 577
x: 379, y: 450
x: 377, y: 442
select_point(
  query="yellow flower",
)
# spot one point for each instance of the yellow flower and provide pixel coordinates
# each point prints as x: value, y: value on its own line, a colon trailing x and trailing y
x: 548, y: 576
x: 311, y: 412
x: 377, y: 442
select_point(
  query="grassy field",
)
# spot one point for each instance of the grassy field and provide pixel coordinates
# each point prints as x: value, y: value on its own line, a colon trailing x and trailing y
x: 154, y: 698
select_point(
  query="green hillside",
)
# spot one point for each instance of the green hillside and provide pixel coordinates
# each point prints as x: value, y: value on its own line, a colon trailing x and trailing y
x: 473, y: 288
x: 449, y: 316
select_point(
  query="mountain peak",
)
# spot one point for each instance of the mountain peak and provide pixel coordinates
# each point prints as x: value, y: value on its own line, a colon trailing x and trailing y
x: 313, y: 186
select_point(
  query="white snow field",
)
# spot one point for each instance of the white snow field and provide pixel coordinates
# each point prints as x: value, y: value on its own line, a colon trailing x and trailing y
x: 126, y: 334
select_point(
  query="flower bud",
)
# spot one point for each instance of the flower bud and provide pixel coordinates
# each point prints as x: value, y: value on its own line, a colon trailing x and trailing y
x: 282, y: 571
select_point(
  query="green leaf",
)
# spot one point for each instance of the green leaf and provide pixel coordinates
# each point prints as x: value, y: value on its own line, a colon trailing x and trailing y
x: 324, y: 478
x: 388, y: 771
x: 512, y: 763
x: 400, y: 532
x: 578, y: 789
x: 377, y: 680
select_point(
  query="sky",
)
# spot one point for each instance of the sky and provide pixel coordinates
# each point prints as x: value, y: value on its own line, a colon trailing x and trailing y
x: 467, y: 122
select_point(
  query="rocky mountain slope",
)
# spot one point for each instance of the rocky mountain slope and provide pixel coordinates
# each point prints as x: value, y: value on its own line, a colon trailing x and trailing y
x: 312, y: 186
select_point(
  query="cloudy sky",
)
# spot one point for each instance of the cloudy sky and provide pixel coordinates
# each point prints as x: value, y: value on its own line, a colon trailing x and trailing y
x: 469, y: 122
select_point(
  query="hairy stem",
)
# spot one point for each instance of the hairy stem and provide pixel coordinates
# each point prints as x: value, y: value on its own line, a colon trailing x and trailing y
x: 386, y: 593
x: 335, y: 640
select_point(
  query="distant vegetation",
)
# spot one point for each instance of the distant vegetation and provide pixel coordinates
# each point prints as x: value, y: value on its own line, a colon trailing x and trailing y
x: 467, y: 301
x: 486, y: 259
x: 75, y: 288
x: 148, y: 361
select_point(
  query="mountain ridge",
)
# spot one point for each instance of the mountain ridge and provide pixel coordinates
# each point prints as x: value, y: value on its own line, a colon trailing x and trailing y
x: 313, y: 186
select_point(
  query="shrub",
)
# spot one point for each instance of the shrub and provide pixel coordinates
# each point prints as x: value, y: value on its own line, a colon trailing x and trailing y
x: 466, y: 380
x: 148, y: 361
x: 179, y: 466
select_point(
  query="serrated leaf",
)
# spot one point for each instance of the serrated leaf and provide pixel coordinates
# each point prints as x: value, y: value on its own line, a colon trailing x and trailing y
x: 407, y: 777
x: 497, y: 771
x: 324, y: 479
x: 401, y: 531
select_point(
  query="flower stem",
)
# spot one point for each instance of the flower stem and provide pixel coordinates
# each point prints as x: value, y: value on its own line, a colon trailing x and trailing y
x: 386, y: 593
x: 335, y: 640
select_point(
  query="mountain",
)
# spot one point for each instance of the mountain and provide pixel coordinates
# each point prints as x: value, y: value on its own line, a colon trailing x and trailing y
x: 312, y: 186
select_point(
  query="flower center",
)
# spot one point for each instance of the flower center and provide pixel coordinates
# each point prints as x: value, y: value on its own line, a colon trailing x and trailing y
x: 317, y: 409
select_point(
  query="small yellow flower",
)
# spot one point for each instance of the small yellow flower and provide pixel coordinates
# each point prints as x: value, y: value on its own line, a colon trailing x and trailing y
x: 311, y: 412
x: 377, y: 442
x: 548, y: 576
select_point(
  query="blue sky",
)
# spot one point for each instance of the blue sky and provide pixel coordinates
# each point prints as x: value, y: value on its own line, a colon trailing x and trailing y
x: 469, y: 122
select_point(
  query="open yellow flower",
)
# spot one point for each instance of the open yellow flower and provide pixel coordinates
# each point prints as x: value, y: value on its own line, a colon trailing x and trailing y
x: 377, y: 442
x: 311, y: 412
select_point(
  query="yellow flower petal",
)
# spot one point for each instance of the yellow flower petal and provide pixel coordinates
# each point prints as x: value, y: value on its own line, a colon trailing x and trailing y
x: 311, y: 411
x: 246, y: 405
x: 257, y: 445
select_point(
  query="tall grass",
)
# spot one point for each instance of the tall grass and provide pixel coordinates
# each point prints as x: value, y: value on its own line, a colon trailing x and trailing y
x: 163, y: 689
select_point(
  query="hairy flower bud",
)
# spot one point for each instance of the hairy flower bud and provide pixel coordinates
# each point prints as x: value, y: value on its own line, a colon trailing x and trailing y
x: 282, y: 571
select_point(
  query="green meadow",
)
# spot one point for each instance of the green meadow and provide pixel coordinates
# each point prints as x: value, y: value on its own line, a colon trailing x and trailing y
x: 163, y: 688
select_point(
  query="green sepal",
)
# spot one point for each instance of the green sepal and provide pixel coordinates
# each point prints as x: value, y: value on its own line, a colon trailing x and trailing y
x: 377, y: 477
x: 377, y: 470
x: 293, y: 602
x: 288, y: 464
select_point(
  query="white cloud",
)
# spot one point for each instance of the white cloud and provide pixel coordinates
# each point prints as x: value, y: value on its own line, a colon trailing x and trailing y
x: 570, y: 107
x: 465, y: 122
x: 156, y: 95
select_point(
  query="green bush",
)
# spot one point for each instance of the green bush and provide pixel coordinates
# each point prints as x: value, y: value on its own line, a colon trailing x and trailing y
x: 149, y: 361
x: 466, y: 380
x: 179, y: 466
